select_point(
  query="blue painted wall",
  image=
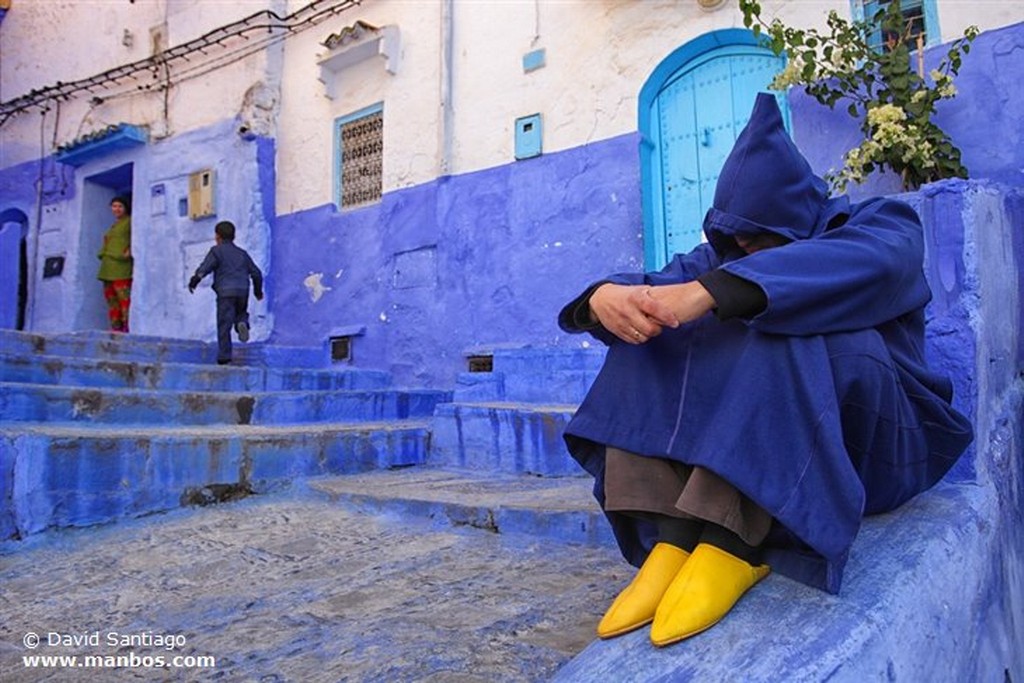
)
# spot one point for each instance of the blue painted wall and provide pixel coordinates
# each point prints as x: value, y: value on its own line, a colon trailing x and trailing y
x: 464, y: 263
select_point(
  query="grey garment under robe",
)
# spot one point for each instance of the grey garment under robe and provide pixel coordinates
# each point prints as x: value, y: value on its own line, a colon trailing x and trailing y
x: 634, y: 483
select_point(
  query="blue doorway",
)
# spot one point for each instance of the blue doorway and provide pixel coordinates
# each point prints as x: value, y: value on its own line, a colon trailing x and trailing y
x: 691, y: 109
x: 97, y: 191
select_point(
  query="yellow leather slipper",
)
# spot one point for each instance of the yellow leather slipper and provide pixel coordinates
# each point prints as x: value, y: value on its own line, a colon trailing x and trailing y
x: 703, y: 592
x: 635, y: 605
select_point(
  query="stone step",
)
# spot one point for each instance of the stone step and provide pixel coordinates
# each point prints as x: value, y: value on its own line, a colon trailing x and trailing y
x: 67, y: 474
x: 258, y: 353
x: 72, y: 371
x: 532, y: 375
x: 107, y: 346
x: 561, y: 508
x: 103, y: 345
x: 60, y: 403
x: 555, y: 386
x: 502, y: 437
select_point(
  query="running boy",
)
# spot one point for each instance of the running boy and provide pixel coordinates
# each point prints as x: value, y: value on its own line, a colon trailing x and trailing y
x: 232, y: 268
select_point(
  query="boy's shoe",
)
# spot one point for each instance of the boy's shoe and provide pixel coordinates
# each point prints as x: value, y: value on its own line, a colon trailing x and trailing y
x: 243, y: 331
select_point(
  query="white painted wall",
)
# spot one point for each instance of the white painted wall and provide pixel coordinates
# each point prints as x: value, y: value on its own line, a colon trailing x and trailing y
x: 192, y: 128
x: 411, y: 97
x: 50, y: 41
x: 957, y: 15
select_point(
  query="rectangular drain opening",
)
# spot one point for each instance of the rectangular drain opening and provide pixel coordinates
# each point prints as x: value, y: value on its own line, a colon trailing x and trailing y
x: 481, y: 363
x: 341, y: 348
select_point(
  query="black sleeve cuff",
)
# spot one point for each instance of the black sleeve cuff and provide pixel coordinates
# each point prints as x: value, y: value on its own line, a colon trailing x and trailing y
x: 734, y: 297
x: 575, y: 317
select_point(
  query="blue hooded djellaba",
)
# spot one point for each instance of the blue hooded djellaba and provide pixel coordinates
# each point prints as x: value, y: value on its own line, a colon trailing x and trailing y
x: 819, y: 405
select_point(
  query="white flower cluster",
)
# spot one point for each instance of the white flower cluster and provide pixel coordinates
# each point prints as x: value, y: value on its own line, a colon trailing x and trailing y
x: 892, y: 135
x: 792, y: 74
x: 843, y: 67
x: 943, y: 84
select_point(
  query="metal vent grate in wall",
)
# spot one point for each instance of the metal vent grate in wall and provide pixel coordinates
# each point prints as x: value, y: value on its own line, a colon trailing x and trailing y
x: 362, y: 145
x: 481, y: 363
x: 341, y: 348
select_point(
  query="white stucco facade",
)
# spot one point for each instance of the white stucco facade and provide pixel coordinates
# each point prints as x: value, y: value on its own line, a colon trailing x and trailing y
x: 460, y: 84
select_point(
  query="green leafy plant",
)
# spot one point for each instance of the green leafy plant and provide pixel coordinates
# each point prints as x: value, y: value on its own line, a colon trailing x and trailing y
x: 894, y: 102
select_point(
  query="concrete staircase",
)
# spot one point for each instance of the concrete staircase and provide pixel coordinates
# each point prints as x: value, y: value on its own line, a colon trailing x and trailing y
x: 96, y: 426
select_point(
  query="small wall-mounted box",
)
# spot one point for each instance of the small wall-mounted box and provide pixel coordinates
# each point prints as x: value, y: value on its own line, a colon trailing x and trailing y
x: 528, y: 136
x: 200, y: 194
x: 534, y: 60
x: 53, y: 266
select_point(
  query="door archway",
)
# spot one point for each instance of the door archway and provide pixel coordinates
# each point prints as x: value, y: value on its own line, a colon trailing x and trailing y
x: 691, y: 109
x: 13, y: 269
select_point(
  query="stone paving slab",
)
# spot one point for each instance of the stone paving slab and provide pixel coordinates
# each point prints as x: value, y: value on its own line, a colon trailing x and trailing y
x: 293, y: 587
x: 467, y: 487
x: 559, y: 508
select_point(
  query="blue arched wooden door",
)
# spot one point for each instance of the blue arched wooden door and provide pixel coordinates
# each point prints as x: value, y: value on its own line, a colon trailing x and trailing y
x: 691, y: 110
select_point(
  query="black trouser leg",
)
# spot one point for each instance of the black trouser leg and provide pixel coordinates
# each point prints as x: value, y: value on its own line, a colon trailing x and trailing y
x: 726, y: 540
x: 226, y: 306
x: 682, y: 533
x: 241, y: 309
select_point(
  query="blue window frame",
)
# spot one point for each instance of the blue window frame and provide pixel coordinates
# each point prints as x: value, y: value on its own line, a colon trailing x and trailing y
x: 921, y: 14
x: 358, y: 157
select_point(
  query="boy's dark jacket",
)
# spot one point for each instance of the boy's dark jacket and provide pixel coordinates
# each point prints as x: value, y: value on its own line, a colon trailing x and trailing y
x: 754, y: 399
x: 232, y: 268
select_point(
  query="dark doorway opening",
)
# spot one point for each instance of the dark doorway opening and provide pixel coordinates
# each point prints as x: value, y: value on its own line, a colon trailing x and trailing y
x: 14, y: 280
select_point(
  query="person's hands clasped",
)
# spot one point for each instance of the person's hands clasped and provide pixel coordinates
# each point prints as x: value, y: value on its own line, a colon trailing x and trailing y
x: 630, y: 312
x: 687, y: 301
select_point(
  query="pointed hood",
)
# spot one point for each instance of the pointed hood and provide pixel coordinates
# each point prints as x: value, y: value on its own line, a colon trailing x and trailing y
x: 765, y: 185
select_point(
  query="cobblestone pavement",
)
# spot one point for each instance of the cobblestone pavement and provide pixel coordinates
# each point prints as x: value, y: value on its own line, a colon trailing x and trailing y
x: 289, y: 587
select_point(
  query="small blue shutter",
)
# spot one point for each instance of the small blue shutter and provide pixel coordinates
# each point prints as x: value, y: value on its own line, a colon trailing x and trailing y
x: 932, y: 30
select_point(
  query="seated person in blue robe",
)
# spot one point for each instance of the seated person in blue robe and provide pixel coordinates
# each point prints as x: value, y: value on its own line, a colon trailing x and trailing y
x: 761, y: 393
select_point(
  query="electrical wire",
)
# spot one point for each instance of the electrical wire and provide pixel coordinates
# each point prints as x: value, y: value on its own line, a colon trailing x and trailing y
x: 267, y: 21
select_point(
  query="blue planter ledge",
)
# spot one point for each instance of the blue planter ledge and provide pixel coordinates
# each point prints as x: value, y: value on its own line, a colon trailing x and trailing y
x: 102, y: 143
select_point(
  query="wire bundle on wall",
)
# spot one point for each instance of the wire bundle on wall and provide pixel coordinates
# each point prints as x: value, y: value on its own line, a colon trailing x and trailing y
x: 276, y: 27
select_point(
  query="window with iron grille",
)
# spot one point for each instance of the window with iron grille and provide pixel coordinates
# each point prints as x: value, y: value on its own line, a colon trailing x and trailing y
x: 359, y: 147
x: 920, y: 17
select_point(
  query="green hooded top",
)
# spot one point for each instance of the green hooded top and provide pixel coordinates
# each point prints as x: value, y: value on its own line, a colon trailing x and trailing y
x: 114, y: 265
